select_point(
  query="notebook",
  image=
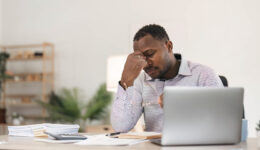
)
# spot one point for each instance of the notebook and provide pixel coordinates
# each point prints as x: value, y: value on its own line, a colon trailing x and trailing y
x: 139, y: 135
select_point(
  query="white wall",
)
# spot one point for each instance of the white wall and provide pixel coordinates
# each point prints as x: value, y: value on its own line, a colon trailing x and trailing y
x: 222, y: 34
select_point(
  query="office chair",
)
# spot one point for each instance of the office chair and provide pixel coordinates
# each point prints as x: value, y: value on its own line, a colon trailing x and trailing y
x: 177, y: 56
x: 225, y: 83
x: 224, y: 80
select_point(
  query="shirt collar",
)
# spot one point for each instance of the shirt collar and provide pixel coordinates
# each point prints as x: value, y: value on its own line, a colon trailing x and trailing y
x: 184, y: 70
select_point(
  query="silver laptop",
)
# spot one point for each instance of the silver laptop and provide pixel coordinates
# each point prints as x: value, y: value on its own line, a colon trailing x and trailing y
x: 202, y: 115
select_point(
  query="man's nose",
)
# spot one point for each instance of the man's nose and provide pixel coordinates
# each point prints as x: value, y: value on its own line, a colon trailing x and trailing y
x: 149, y: 62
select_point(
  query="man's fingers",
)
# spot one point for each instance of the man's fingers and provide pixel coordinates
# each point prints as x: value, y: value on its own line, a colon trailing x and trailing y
x: 160, y: 100
x: 140, y: 65
x: 143, y: 63
x: 138, y: 54
x: 161, y: 96
x: 139, y: 60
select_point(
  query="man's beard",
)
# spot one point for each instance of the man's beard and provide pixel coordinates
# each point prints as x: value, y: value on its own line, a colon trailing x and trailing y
x: 164, y: 71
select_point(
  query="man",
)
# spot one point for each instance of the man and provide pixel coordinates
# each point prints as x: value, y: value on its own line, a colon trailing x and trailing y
x: 138, y: 92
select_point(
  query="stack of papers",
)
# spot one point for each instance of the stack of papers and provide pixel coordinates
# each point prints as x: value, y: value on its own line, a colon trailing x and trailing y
x: 24, y: 130
x: 62, y: 128
x: 38, y: 129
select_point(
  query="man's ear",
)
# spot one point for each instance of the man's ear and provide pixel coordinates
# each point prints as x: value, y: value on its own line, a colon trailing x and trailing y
x: 169, y: 46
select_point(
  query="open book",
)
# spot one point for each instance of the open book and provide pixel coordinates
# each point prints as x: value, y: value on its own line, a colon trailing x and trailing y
x: 140, y: 135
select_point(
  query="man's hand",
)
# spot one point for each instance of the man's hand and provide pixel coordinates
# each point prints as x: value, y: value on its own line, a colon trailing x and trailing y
x: 160, y: 100
x: 134, y: 64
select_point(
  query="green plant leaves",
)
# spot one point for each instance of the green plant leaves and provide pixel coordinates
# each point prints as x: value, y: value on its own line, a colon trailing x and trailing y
x: 63, y: 107
x: 71, y: 103
x: 3, y: 57
x: 67, y: 106
x: 258, y: 126
x: 3, y: 76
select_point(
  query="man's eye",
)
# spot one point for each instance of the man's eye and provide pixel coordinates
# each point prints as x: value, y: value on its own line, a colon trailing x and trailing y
x: 150, y: 55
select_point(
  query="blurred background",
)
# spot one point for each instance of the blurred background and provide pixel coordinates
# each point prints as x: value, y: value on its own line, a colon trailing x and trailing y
x: 83, y: 34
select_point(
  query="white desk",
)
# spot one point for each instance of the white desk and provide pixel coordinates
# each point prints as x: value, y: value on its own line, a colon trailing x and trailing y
x: 27, y: 143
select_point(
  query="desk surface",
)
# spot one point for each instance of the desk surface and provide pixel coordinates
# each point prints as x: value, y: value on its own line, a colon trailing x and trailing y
x: 28, y: 143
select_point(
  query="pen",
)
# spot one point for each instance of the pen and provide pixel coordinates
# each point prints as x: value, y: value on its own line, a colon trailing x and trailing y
x: 112, y: 134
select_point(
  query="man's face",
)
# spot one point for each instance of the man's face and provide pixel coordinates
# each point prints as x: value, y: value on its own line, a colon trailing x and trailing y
x: 157, y: 55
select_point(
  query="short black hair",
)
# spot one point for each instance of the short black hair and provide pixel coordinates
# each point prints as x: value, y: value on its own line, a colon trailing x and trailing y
x: 156, y: 31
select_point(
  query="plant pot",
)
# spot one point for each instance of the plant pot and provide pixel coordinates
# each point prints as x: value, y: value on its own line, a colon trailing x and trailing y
x: 83, y: 125
x: 2, y: 115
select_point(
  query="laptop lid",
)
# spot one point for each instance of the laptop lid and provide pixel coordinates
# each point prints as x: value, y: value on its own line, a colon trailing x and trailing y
x: 202, y: 115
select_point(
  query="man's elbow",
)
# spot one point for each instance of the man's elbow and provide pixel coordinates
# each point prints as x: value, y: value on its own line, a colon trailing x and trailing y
x: 121, y: 128
x: 121, y: 125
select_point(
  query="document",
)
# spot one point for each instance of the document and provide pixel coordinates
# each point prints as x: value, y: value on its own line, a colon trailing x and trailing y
x: 106, y: 140
x: 3, y: 142
x: 56, y: 141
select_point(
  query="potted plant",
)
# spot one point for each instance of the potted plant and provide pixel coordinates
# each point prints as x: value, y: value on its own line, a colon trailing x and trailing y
x: 258, y: 133
x: 68, y: 107
x: 3, y: 76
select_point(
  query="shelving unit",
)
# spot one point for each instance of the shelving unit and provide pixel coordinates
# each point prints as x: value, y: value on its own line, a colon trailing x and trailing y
x: 32, y: 68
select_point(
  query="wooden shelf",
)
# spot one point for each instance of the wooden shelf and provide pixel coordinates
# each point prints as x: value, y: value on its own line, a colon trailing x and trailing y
x: 21, y: 95
x: 32, y: 104
x: 22, y: 81
x: 39, y: 117
x: 28, y: 59
x: 30, y: 78
x: 49, y: 82
x: 45, y: 44
x: 34, y: 117
x: 25, y: 55
x: 36, y: 73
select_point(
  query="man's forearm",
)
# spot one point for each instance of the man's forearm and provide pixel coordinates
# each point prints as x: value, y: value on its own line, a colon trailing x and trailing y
x: 126, y: 110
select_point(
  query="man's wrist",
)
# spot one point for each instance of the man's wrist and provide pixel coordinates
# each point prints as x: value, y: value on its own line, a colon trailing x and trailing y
x: 124, y: 84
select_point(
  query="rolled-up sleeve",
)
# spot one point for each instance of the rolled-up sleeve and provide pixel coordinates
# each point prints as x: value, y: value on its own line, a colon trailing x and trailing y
x: 127, y: 107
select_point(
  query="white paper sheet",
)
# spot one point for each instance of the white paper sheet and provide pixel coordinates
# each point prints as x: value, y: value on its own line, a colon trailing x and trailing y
x: 56, y: 141
x: 105, y: 140
x: 3, y: 142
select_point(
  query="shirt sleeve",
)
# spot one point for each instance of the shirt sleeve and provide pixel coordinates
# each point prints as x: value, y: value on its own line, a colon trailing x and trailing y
x: 127, y: 107
x: 209, y: 78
